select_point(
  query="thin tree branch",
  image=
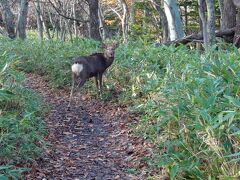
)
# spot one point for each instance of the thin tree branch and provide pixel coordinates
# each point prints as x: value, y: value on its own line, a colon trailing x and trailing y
x: 120, y: 17
x: 199, y: 37
x: 60, y: 13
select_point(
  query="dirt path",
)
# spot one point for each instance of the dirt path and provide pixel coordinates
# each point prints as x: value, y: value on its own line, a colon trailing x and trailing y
x: 90, y: 141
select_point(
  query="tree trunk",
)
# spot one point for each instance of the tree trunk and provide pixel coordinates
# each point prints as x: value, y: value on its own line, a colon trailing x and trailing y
x: 62, y: 29
x: 55, y: 24
x: 102, y: 27
x: 201, y: 5
x: 75, y: 22
x: 186, y: 17
x: 208, y: 22
x: 43, y: 17
x: 174, y: 21
x: 236, y: 39
x: 124, y: 19
x: 69, y: 23
x: 221, y: 7
x: 236, y: 3
x: 132, y: 11
x: 229, y: 15
x: 22, y: 19
x: 39, y: 21
x: 163, y: 19
x: 211, y: 22
x: 8, y: 19
x: 94, y: 20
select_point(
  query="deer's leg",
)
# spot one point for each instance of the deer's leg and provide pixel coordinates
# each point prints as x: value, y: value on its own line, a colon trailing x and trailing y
x: 80, y: 84
x: 72, y: 89
x: 96, y: 81
x: 100, y: 82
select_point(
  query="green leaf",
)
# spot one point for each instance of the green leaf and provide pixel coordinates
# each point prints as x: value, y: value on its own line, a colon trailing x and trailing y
x: 236, y: 133
x: 6, y: 95
x: 233, y: 155
x: 223, y: 118
x: 234, y: 101
x: 210, y: 101
x: 204, y: 114
x: 173, y: 171
x: 3, y: 177
x: 4, y: 167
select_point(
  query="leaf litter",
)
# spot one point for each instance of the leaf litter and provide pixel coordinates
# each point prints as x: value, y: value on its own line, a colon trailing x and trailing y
x: 92, y: 140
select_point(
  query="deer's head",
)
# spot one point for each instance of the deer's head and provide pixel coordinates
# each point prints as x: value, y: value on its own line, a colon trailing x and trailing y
x: 109, y: 50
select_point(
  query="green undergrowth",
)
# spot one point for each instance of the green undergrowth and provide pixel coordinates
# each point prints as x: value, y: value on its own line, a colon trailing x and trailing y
x: 22, y: 129
x: 188, y: 102
x: 189, y: 108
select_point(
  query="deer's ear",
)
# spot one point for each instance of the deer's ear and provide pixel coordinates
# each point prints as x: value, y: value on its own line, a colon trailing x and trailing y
x: 115, y: 45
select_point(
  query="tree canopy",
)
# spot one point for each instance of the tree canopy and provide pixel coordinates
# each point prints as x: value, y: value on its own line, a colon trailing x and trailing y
x: 154, y: 20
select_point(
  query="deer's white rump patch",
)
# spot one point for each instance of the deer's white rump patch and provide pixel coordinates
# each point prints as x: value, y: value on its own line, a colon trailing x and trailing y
x: 77, y: 68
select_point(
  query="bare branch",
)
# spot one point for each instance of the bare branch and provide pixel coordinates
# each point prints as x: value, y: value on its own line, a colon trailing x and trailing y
x: 120, y: 17
x: 199, y: 37
x: 60, y: 13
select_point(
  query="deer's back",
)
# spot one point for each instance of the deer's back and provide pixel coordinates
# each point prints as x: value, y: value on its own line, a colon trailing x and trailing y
x: 92, y: 65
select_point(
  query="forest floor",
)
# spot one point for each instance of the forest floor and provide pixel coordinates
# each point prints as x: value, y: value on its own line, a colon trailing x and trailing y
x: 92, y: 140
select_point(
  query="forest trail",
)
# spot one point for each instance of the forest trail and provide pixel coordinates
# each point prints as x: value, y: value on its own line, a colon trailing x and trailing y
x: 91, y: 141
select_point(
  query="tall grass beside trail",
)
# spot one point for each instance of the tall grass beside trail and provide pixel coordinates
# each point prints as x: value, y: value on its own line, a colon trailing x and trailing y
x: 189, y: 106
x: 188, y: 102
x: 49, y: 58
x: 22, y: 130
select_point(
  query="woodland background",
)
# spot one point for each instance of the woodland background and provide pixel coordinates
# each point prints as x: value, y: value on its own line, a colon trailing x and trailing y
x: 153, y: 20
x: 177, y: 69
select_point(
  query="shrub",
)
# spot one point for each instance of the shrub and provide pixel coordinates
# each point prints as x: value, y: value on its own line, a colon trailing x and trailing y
x: 21, y: 127
x: 189, y: 106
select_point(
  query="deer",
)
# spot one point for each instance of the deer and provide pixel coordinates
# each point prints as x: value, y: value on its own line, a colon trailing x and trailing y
x: 86, y: 67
